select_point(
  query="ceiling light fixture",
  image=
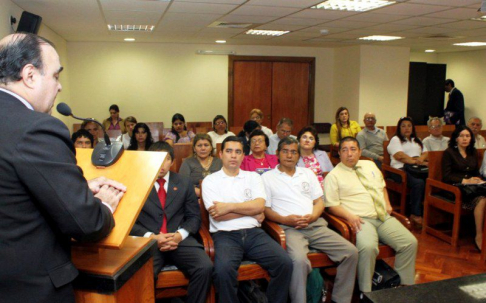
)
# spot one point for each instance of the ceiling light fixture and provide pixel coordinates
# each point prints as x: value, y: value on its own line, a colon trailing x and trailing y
x: 471, y: 44
x: 221, y: 41
x: 214, y: 52
x: 380, y: 38
x: 482, y: 18
x: 352, y: 5
x: 131, y: 28
x: 129, y: 39
x: 430, y: 50
x: 260, y: 32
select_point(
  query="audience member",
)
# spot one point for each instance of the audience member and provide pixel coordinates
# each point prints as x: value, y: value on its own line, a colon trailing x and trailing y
x: 483, y: 167
x: 371, y: 139
x: 82, y: 139
x: 475, y: 124
x: 343, y: 127
x: 202, y: 164
x: 284, y: 130
x: 174, y: 227
x: 235, y: 200
x: 114, y: 122
x: 435, y: 141
x: 179, y: 132
x: 460, y: 165
x: 294, y: 200
x: 94, y: 129
x: 248, y: 128
x: 259, y: 161
x: 129, y: 123
x: 257, y: 115
x: 310, y: 157
x: 220, y: 131
x: 406, y: 148
x: 142, y: 138
x: 355, y: 190
x: 454, y: 111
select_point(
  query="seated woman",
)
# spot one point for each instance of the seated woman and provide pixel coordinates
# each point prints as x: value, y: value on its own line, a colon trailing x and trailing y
x: 259, y: 161
x: 248, y: 128
x: 141, y: 138
x: 114, y: 122
x: 406, y: 148
x: 310, y: 157
x: 130, y: 123
x: 257, y: 115
x: 179, y: 133
x: 460, y: 165
x: 343, y: 127
x: 202, y: 163
x: 220, y: 131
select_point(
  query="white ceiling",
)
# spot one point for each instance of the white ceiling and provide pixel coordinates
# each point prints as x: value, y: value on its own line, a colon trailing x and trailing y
x: 187, y: 21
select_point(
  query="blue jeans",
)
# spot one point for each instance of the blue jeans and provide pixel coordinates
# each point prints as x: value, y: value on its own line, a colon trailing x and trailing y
x: 255, y: 245
x: 417, y: 192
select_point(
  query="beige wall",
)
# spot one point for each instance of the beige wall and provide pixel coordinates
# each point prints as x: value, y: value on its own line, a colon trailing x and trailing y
x: 424, y: 57
x: 8, y: 9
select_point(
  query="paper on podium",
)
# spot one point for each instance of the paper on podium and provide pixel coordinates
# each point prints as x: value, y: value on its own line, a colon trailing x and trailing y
x: 137, y: 170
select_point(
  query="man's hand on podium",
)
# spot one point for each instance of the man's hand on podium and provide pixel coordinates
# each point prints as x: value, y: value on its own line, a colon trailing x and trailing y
x: 96, y: 184
x: 108, y: 191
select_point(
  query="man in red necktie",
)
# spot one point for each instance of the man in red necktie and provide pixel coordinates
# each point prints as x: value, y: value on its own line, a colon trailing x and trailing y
x: 171, y: 216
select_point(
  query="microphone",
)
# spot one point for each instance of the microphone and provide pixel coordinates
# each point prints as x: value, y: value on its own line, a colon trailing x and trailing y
x: 103, y: 154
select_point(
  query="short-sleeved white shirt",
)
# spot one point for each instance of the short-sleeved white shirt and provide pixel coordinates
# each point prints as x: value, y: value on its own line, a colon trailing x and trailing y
x: 291, y: 195
x: 410, y: 148
x: 246, y: 186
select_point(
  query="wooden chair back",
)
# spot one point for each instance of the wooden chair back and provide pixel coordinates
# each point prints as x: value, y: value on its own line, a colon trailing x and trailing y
x: 76, y: 127
x: 199, y: 127
x: 181, y: 151
x: 157, y: 129
x: 386, y: 155
x: 435, y: 165
x: 218, y: 149
x: 235, y: 129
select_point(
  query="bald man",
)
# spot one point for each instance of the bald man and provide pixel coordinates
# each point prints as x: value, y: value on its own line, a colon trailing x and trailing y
x: 371, y: 139
x: 44, y: 199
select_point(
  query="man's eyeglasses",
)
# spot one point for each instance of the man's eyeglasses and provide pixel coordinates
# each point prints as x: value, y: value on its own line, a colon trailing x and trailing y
x: 370, y: 119
x: 220, y: 123
x: 292, y: 152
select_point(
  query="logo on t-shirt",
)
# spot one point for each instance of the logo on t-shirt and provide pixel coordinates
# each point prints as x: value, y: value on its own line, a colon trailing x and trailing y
x: 305, y: 187
x: 248, y: 194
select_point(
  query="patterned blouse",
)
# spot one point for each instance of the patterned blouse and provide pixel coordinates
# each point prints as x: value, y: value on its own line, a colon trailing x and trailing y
x: 312, y: 163
x: 186, y: 139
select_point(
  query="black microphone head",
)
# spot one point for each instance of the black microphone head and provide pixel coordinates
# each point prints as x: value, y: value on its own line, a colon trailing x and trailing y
x: 64, y: 109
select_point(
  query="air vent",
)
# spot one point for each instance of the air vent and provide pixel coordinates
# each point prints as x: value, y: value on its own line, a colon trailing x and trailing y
x: 131, y: 28
x: 221, y: 24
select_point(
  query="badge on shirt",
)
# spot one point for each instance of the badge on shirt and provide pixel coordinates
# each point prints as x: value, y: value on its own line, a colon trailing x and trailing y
x: 305, y: 187
x: 248, y: 194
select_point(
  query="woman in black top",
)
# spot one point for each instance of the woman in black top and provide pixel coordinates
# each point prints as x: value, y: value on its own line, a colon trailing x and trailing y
x: 460, y: 165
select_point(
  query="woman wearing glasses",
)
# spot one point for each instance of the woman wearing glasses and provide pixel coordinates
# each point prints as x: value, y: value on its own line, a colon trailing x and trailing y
x: 220, y: 130
x: 259, y: 161
x: 310, y: 156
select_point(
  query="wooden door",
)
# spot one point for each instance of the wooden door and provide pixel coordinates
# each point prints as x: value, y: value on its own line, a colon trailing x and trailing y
x: 290, y: 93
x: 252, y: 88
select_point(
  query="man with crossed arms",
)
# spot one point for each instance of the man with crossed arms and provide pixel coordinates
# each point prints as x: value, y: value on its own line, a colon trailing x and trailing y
x: 355, y: 190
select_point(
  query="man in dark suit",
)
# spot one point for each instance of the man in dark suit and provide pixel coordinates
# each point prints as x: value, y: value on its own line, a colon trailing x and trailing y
x: 454, y: 111
x: 171, y: 216
x: 44, y: 198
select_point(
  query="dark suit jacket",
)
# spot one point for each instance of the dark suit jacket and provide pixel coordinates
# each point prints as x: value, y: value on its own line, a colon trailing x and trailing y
x: 181, y: 210
x: 456, y: 105
x: 44, y: 202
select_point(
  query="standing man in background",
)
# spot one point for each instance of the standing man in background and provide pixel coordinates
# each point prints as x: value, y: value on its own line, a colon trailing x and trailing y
x: 44, y: 198
x: 454, y: 111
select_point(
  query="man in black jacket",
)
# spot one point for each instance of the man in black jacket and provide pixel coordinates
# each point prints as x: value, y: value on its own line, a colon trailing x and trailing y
x: 454, y: 111
x: 44, y: 198
x: 171, y: 216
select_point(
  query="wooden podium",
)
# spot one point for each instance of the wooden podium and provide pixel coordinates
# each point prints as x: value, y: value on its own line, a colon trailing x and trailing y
x: 119, y: 268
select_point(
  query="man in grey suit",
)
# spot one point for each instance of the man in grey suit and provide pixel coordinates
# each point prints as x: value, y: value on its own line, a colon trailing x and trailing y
x: 171, y: 216
x: 44, y: 198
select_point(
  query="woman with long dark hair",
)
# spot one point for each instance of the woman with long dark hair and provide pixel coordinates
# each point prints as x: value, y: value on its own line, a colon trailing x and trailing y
x: 141, y: 138
x: 179, y: 132
x: 220, y: 130
x: 343, y: 127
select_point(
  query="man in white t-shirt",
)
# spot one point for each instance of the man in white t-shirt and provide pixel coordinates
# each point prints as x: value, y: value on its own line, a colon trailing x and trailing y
x: 235, y: 200
x: 284, y: 130
x: 436, y: 141
x: 475, y: 124
x: 294, y: 200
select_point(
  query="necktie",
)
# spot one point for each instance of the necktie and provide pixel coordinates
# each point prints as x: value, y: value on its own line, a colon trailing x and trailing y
x: 374, y: 192
x: 162, y: 196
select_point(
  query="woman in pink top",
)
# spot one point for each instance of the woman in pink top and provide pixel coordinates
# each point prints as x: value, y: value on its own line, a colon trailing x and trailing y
x: 259, y: 161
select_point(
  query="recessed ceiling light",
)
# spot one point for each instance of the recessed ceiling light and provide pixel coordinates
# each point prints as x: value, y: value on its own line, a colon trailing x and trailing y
x: 471, y: 44
x: 380, y: 38
x: 430, y: 50
x: 352, y: 5
x: 261, y: 32
x: 129, y: 39
x: 131, y: 28
x: 482, y: 18
x: 220, y: 41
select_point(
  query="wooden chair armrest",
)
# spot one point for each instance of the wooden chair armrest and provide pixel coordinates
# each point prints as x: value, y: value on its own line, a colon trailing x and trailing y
x: 342, y: 226
x: 275, y: 231
x: 207, y: 242
x: 366, y: 158
x: 404, y: 220
x: 386, y: 169
x: 443, y: 186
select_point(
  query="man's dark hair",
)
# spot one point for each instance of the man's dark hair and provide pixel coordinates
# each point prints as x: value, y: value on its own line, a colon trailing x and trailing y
x: 231, y: 139
x: 348, y: 139
x: 288, y: 141
x: 23, y: 49
x: 449, y: 81
x: 258, y: 132
x: 313, y: 131
x: 82, y: 133
x: 162, y: 146
x: 115, y: 108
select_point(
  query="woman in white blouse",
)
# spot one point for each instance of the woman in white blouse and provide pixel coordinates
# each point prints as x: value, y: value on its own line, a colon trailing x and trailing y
x: 220, y: 131
x: 406, y: 148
